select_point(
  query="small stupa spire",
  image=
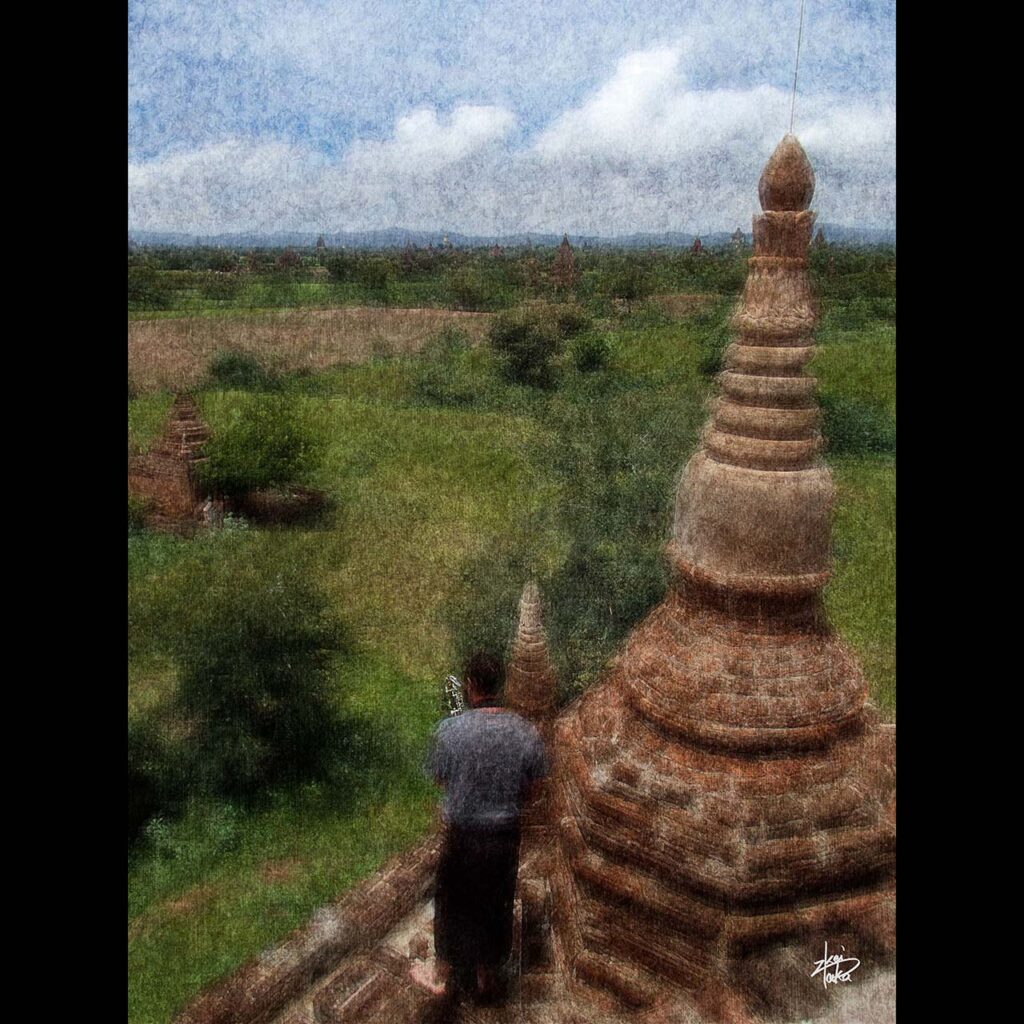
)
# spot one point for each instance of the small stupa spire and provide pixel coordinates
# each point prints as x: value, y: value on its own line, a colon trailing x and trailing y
x: 530, y: 680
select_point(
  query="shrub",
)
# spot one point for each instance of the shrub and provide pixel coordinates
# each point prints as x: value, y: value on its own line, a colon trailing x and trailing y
x: 445, y: 374
x: 590, y: 352
x: 630, y: 283
x: 526, y: 342
x: 266, y: 442
x: 256, y: 651
x: 238, y: 371
x: 571, y: 319
x: 222, y: 262
x: 468, y: 289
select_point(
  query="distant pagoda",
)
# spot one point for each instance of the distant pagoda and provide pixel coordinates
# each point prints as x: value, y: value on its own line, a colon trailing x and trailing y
x: 563, y: 272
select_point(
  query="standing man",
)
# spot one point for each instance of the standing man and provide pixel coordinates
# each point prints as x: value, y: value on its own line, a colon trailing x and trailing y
x: 490, y: 761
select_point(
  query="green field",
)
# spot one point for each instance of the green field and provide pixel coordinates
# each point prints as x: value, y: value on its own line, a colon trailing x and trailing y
x: 440, y: 501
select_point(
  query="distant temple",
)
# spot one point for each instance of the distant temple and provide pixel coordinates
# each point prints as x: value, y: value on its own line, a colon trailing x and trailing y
x: 819, y: 240
x: 738, y: 239
x: 563, y: 271
x: 698, y: 245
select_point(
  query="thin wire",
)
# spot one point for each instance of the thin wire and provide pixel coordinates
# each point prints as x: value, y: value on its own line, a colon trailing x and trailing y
x: 796, y: 70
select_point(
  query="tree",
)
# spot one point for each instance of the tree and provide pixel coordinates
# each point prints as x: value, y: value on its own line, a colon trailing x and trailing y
x: 527, y: 342
x: 631, y: 284
x: 341, y: 268
x: 374, y: 275
x: 147, y: 289
x: 256, y: 652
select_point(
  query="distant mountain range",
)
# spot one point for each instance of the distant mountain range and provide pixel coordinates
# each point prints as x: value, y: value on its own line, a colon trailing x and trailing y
x: 398, y: 238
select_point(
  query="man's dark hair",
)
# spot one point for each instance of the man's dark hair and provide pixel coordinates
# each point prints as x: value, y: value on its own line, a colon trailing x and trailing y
x: 487, y: 673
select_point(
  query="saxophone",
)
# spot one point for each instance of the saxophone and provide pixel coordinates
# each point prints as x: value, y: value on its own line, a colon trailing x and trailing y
x: 454, y: 695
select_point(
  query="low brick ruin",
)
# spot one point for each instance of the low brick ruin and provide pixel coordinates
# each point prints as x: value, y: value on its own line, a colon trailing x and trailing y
x: 722, y: 802
x: 164, y: 478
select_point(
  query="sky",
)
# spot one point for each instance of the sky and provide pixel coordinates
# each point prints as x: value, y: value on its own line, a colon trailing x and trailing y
x: 502, y: 116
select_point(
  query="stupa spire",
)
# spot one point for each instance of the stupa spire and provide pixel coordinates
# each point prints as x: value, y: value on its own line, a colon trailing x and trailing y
x: 752, y: 509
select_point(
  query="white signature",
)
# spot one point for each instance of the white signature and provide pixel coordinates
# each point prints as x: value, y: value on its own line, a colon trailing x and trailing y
x: 839, y: 971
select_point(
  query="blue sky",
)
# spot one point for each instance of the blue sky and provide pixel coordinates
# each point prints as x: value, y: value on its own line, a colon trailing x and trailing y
x: 604, y: 117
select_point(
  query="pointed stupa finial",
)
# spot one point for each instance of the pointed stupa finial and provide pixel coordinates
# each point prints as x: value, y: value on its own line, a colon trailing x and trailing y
x: 530, y: 680
x: 787, y: 181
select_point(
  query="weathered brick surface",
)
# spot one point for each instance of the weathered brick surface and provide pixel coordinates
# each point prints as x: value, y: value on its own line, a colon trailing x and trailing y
x: 261, y: 989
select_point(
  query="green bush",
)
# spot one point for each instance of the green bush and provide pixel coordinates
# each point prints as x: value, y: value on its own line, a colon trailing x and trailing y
x: 267, y: 442
x: 238, y: 371
x: 590, y: 352
x: 445, y: 374
x: 630, y: 283
x: 374, y: 275
x: 526, y: 341
x: 256, y: 651
x: 571, y: 319
x: 468, y: 289
x: 856, y: 428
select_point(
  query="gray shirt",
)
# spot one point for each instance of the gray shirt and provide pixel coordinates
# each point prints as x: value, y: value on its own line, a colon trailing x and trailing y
x: 486, y: 760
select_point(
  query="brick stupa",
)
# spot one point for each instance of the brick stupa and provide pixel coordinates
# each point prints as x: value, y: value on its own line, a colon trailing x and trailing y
x: 725, y: 797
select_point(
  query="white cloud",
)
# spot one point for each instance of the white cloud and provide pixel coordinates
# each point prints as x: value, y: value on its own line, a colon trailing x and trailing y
x: 230, y: 185
x: 424, y: 143
x: 647, y: 113
x: 644, y: 151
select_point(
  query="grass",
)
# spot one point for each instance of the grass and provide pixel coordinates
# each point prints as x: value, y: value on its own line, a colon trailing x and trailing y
x: 861, y: 599
x: 218, y: 886
x: 146, y: 416
x: 419, y: 491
